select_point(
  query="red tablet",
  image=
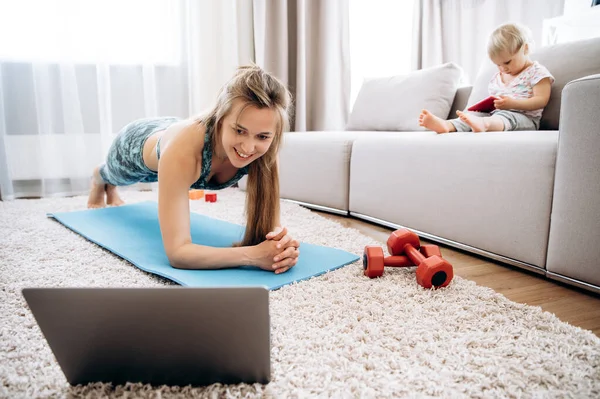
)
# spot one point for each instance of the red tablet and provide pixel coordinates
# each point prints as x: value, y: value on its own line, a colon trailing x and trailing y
x: 486, y: 105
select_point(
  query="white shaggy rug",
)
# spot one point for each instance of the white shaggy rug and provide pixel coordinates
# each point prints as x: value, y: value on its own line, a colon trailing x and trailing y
x: 337, y: 335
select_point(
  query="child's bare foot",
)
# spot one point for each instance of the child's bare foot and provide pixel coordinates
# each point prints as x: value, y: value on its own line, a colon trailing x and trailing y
x: 112, y: 196
x: 477, y: 123
x: 432, y: 122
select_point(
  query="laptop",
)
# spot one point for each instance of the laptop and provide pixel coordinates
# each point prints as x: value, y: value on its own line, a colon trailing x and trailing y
x: 173, y: 336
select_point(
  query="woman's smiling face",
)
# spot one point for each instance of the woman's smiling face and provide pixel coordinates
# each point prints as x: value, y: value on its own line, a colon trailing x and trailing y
x: 247, y: 133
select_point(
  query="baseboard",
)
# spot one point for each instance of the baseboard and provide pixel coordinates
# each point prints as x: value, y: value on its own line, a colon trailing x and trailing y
x: 318, y: 207
x: 568, y: 280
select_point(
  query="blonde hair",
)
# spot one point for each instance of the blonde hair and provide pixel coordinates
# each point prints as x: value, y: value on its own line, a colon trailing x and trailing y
x: 257, y: 88
x: 508, y: 37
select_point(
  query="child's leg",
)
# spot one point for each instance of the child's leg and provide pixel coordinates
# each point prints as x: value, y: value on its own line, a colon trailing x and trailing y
x: 459, y: 125
x: 517, y: 121
x: 437, y: 124
x: 482, y: 124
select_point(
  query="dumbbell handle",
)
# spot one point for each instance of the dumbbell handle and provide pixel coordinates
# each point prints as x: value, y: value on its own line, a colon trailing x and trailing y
x: 397, y: 261
x: 413, y: 254
x: 404, y: 261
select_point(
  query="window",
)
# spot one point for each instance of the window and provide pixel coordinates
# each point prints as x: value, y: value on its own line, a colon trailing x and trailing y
x: 90, y: 31
x: 381, y: 34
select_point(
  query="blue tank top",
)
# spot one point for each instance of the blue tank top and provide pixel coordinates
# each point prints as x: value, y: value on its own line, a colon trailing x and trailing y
x: 202, y: 183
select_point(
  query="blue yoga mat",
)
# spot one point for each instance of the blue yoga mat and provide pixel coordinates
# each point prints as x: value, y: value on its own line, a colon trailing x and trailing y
x: 132, y: 232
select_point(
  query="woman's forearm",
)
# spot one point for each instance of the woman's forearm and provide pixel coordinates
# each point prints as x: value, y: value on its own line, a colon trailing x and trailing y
x: 194, y: 256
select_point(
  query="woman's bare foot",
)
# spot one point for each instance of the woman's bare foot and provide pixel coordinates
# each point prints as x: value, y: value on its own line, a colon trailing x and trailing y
x: 432, y: 122
x: 96, y: 197
x: 112, y: 196
x: 476, y: 123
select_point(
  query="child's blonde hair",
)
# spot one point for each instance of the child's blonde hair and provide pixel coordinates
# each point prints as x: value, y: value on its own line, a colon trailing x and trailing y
x: 257, y: 88
x: 508, y: 37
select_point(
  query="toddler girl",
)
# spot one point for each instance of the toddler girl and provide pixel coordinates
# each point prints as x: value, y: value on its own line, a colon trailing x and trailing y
x: 521, y: 88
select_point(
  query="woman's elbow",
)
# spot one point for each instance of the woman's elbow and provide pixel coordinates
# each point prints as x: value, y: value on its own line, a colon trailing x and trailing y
x: 176, y: 258
x: 176, y: 265
x: 175, y: 262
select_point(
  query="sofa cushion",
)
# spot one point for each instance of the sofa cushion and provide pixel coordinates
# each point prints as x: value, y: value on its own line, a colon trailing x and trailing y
x: 394, y: 103
x: 565, y: 61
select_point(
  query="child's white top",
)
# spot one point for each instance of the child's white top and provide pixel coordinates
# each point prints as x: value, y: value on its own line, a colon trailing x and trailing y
x: 521, y: 87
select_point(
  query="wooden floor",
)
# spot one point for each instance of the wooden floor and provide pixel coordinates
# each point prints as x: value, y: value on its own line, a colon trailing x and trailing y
x: 572, y: 305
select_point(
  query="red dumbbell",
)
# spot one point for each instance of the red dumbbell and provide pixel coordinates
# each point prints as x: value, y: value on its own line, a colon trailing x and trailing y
x: 374, y: 260
x: 430, y: 250
x: 436, y: 272
x: 433, y: 271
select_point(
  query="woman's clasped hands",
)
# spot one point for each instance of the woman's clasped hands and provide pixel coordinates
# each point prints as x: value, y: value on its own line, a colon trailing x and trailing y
x: 279, y: 252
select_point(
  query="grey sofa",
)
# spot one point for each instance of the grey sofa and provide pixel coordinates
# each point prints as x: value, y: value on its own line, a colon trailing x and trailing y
x: 529, y: 199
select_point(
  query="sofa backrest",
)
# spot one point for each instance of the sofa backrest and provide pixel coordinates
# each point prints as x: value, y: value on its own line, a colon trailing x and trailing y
x: 565, y: 61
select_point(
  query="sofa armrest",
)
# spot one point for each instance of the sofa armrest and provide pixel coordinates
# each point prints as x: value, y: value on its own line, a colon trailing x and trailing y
x: 461, y: 99
x: 573, y: 246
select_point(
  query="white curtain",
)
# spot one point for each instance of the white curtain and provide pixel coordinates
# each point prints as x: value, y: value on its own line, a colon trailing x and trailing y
x: 74, y: 72
x: 457, y: 30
